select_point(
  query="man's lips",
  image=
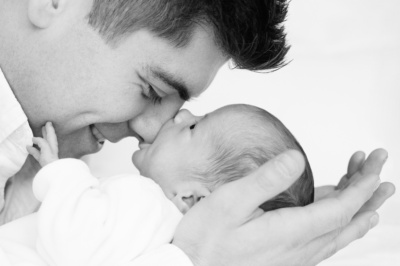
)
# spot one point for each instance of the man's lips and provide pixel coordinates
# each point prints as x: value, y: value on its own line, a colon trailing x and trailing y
x: 97, y: 134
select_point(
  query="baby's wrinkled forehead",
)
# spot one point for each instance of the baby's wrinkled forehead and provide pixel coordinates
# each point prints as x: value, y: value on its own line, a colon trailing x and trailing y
x: 229, y: 112
x: 241, y: 122
x: 233, y: 121
x: 239, y: 115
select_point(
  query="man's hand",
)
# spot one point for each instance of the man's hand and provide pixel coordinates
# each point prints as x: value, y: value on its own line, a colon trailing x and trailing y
x: 357, y: 168
x: 48, y: 146
x: 228, y: 228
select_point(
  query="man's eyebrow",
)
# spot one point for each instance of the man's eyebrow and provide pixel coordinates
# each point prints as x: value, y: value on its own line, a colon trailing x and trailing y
x: 173, y: 82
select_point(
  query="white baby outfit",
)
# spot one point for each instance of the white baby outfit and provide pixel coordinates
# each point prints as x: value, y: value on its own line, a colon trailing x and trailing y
x: 120, y: 220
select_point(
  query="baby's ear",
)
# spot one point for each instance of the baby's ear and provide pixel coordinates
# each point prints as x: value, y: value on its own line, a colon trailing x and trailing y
x: 187, y: 199
x: 184, y: 203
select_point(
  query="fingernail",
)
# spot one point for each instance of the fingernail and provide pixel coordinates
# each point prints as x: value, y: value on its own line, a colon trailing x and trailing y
x: 373, y: 221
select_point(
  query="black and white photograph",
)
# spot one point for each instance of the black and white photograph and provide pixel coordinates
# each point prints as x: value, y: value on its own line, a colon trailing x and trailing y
x: 199, y: 133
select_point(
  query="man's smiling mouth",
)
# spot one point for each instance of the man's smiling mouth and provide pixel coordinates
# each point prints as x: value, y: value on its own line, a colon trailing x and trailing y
x: 97, y: 134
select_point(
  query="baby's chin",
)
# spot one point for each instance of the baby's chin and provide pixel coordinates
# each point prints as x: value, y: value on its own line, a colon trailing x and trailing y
x: 136, y: 158
x: 138, y: 161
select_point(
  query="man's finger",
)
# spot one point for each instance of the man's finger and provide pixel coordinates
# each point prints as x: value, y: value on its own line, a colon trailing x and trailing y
x: 275, y: 176
x: 344, y: 182
x: 355, y: 163
x: 358, y: 168
x: 327, y: 245
x: 323, y: 191
x: 374, y: 162
x: 385, y: 191
x: 329, y: 214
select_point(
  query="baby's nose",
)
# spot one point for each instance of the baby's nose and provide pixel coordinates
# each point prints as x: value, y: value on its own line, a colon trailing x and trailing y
x: 183, y: 116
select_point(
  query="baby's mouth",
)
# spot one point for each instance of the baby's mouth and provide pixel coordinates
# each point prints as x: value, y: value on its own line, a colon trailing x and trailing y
x: 143, y: 145
x: 97, y: 134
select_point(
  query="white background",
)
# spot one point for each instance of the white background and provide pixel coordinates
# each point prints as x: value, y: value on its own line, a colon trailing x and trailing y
x: 340, y: 94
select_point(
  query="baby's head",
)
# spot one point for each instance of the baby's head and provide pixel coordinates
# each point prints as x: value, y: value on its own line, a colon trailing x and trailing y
x: 193, y: 155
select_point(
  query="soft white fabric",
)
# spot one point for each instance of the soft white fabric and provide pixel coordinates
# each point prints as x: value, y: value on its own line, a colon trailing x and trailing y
x: 18, y: 243
x: 15, y: 135
x: 121, y: 220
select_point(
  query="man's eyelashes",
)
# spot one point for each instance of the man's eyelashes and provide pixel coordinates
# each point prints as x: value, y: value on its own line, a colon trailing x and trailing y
x: 152, y: 95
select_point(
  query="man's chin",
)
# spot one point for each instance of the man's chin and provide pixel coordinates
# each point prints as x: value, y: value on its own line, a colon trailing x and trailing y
x: 77, y: 153
x: 78, y: 145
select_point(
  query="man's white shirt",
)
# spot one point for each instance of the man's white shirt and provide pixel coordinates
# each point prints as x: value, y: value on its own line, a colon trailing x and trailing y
x: 15, y: 135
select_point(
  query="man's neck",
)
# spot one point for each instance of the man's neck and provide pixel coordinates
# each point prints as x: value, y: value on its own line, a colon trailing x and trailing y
x: 23, y: 94
x: 14, y: 53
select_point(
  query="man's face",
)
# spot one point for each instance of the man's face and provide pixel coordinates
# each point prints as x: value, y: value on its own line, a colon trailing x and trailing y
x: 92, y: 91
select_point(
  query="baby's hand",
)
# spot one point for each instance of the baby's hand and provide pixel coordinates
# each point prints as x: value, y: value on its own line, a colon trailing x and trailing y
x: 48, y: 146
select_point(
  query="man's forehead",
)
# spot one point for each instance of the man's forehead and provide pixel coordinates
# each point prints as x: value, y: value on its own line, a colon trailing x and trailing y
x: 189, y: 69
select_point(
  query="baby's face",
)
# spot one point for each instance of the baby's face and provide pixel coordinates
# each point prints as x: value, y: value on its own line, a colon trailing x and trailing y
x: 183, y: 144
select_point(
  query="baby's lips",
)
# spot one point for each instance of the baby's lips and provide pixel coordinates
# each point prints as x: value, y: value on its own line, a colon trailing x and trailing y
x: 143, y: 145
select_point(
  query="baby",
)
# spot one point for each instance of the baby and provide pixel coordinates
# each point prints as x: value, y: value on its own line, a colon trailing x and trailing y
x: 193, y: 155
x: 117, y: 220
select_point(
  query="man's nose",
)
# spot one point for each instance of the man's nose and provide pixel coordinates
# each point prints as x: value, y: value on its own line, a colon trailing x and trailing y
x: 147, y: 124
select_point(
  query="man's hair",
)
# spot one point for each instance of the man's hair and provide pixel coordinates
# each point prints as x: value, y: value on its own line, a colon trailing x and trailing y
x: 250, y: 32
x: 254, y: 137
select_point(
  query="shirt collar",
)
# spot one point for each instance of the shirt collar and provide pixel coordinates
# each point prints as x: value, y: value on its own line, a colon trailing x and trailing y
x: 15, y: 135
x: 12, y: 116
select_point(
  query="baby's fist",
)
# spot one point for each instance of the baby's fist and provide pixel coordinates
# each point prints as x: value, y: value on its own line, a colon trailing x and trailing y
x: 48, y: 146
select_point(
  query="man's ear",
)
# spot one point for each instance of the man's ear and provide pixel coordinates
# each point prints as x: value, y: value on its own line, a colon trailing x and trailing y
x: 42, y: 13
